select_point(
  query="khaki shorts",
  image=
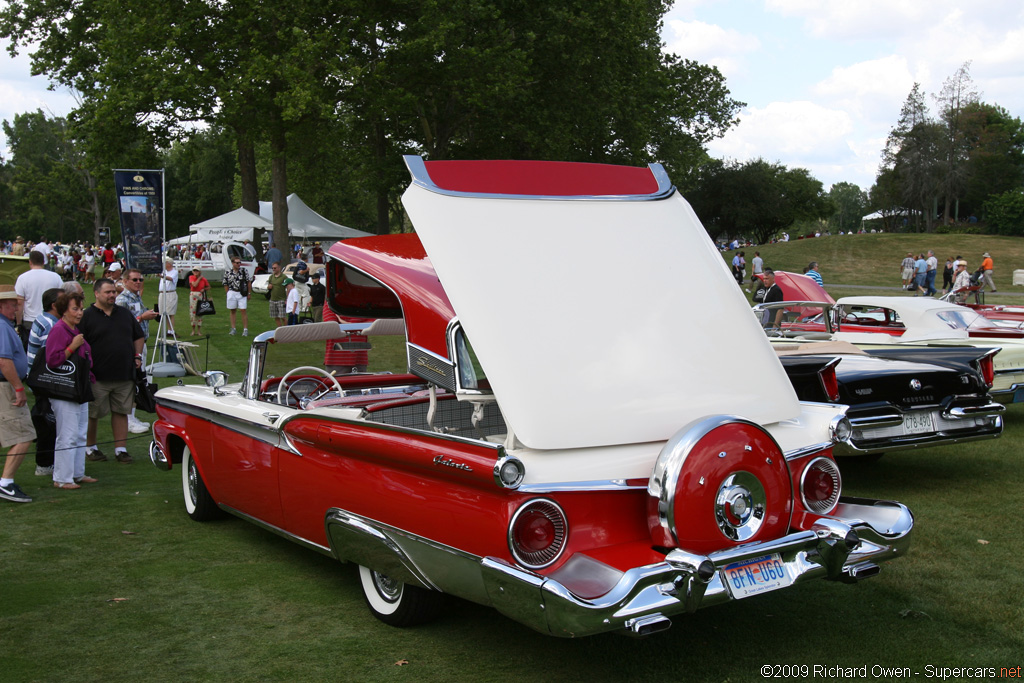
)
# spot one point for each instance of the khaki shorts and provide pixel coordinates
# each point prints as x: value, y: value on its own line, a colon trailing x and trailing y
x: 168, y: 303
x: 112, y: 397
x: 15, y: 423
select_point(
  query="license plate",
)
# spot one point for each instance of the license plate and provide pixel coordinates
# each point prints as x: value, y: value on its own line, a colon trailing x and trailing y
x: 756, y: 576
x: 918, y: 423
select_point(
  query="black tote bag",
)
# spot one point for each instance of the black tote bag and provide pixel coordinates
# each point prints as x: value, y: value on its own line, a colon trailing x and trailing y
x: 205, y: 307
x: 67, y: 382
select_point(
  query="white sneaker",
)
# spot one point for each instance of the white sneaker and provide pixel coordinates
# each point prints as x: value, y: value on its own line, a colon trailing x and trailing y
x: 245, y: 332
x: 137, y: 426
x: 44, y: 471
x: 232, y: 331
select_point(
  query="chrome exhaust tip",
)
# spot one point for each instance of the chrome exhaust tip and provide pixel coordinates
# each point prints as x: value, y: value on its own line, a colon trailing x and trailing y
x: 645, y: 626
x: 859, y: 572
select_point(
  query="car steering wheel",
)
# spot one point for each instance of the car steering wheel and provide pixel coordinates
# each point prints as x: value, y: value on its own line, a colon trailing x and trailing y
x: 281, y: 386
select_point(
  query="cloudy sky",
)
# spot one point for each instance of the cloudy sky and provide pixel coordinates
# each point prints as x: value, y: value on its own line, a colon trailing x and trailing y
x: 823, y: 80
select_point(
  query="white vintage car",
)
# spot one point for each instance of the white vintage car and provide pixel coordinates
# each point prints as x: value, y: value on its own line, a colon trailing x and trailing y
x: 563, y: 447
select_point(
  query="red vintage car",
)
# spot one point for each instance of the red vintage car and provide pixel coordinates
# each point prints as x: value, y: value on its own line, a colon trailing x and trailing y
x: 584, y: 465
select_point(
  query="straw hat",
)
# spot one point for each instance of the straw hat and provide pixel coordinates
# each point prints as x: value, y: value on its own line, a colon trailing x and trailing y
x: 7, y: 292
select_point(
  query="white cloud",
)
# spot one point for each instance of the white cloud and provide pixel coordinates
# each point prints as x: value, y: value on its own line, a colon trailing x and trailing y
x: 709, y: 44
x: 783, y: 130
x: 873, y: 90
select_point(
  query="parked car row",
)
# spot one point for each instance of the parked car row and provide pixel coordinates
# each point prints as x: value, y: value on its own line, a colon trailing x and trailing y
x: 563, y: 446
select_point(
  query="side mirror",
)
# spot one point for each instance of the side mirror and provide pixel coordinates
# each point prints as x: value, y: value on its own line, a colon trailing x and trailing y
x: 216, y: 379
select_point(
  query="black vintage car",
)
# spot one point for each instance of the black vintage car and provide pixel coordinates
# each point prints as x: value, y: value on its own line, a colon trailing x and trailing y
x: 899, y: 398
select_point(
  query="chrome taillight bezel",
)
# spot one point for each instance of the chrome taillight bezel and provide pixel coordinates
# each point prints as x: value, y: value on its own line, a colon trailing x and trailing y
x: 829, y: 466
x: 542, y: 558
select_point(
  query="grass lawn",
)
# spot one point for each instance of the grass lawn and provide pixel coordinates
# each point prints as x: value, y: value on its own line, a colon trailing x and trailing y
x: 115, y: 583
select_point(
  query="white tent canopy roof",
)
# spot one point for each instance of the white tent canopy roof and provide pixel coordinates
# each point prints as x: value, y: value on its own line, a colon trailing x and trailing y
x: 305, y: 223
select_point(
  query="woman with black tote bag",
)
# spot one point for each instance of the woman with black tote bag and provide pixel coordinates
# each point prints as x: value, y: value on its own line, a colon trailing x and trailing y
x: 64, y: 344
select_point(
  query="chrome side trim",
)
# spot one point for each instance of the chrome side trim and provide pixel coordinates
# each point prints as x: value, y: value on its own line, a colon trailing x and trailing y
x: 808, y: 450
x: 593, y: 485
x: 278, y: 530
x: 404, y: 556
x: 253, y: 430
x: 421, y: 178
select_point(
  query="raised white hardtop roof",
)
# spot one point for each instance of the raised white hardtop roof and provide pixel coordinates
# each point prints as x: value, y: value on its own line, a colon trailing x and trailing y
x: 918, y: 315
x: 598, y: 320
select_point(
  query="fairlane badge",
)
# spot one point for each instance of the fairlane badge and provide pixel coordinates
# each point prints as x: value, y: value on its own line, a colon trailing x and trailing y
x: 448, y: 462
x: 424, y: 363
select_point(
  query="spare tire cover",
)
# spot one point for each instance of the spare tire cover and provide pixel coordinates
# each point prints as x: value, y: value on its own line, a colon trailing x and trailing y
x: 719, y: 482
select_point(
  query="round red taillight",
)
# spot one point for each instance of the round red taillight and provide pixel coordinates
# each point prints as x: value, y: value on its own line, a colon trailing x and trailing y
x: 820, y: 485
x: 536, y: 534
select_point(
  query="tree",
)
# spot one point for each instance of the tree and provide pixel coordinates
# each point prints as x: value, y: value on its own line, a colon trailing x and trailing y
x: 957, y: 95
x: 757, y: 199
x: 851, y: 205
x: 996, y: 161
x: 470, y: 78
x: 912, y: 153
x: 48, y: 193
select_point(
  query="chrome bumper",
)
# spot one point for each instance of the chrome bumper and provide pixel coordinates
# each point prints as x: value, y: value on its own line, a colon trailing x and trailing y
x: 1015, y: 394
x: 947, y: 433
x: 845, y: 546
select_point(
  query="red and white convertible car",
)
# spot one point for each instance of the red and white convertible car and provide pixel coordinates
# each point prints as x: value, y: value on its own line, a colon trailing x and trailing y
x: 586, y: 464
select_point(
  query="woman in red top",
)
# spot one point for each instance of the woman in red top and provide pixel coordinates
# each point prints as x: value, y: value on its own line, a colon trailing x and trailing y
x: 197, y: 284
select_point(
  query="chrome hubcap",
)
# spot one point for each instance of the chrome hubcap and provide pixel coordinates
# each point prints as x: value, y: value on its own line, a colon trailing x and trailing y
x: 388, y: 588
x: 740, y: 506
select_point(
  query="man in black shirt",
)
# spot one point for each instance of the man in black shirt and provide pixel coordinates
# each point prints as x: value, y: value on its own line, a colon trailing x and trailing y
x: 772, y: 294
x: 317, y: 294
x: 117, y: 341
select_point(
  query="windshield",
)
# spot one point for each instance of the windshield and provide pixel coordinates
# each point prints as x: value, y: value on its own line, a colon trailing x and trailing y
x: 962, y: 319
x: 794, y: 319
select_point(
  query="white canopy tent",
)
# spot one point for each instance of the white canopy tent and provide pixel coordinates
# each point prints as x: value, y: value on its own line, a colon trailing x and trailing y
x: 306, y: 224
x: 236, y: 226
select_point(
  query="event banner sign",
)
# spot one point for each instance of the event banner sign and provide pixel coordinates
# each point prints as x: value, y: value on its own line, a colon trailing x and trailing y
x: 140, y: 199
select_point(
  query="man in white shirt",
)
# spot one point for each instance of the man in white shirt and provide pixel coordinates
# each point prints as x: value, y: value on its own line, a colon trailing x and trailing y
x: 932, y: 267
x: 44, y: 248
x: 31, y: 285
x: 168, y: 297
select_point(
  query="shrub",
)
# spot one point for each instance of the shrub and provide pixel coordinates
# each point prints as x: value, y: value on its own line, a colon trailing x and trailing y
x: 1005, y: 212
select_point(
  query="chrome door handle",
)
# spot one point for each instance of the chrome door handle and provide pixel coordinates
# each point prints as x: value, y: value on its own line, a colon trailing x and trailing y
x: 272, y: 417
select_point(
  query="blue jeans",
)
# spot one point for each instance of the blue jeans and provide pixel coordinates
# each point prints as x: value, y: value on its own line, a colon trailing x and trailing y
x: 929, y: 283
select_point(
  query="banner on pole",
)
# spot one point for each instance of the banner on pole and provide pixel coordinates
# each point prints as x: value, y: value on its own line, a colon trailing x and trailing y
x: 140, y: 200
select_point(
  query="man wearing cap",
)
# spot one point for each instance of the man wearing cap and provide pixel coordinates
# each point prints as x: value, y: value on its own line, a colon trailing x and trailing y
x: 316, y: 254
x: 317, y: 296
x: 986, y: 267
x: 30, y: 285
x: 16, y: 430
x: 292, y: 301
x: 168, y: 292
